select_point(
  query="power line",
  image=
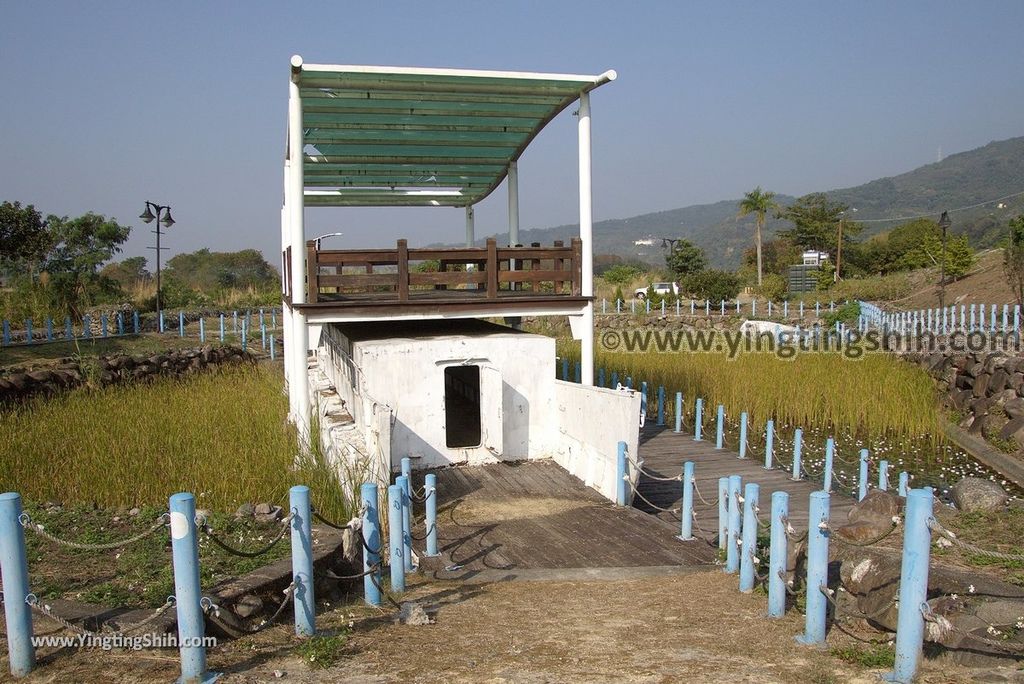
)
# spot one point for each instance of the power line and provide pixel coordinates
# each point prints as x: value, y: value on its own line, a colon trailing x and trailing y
x: 933, y: 213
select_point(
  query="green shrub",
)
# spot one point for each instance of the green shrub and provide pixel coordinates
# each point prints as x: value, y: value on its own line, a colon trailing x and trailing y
x: 712, y: 285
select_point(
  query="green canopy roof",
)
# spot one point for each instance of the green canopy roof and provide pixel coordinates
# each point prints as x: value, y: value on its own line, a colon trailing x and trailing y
x: 391, y: 136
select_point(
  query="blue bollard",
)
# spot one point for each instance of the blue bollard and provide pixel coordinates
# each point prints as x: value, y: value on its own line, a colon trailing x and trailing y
x: 262, y: 320
x: 234, y: 322
x: 187, y: 593
x: 14, y: 572
x: 686, y: 526
x: 7, y: 333
x: 732, y: 547
x: 565, y: 370
x: 222, y: 327
x: 620, y: 475
x: 120, y: 323
x: 661, y: 405
x: 698, y: 417
x: 578, y: 373
x: 371, y: 543
x: 430, y: 492
x: 396, y: 537
x: 615, y: 380
x: 28, y: 331
x: 720, y: 428
x: 643, y: 399
x: 903, y: 482
x: 69, y: 332
x: 161, y: 321
x: 778, y: 553
x: 103, y: 325
x: 769, y: 444
x: 629, y: 382
x: 202, y: 329
x: 883, y: 475
x: 49, y: 330
x: 743, y: 435
x: 600, y: 377
x: 723, y: 512
x: 618, y: 306
x: 245, y: 335
x: 679, y: 412
x: 406, y: 521
x: 913, y: 590
x: 862, y: 476
x: 647, y: 306
x: 830, y: 452
x: 135, y: 322
x: 86, y: 326
x: 273, y: 352
x: 302, y: 560
x: 817, y: 570
x: 748, y: 549
x: 798, y: 437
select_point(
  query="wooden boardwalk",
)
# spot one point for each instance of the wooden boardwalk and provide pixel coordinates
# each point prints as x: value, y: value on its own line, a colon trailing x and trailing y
x: 534, y: 519
x: 663, y: 453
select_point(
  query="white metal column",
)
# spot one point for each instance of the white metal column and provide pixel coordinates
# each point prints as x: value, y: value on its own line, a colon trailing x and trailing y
x: 298, y: 388
x: 470, y: 240
x: 286, y: 307
x: 513, y: 204
x: 586, y: 238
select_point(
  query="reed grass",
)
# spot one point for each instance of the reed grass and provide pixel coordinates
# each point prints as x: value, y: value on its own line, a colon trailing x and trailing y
x: 874, y: 395
x: 224, y: 436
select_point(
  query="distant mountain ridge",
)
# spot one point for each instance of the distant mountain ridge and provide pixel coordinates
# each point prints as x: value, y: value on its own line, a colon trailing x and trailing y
x: 979, y: 175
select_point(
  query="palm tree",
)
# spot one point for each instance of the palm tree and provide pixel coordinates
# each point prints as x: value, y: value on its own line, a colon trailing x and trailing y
x: 759, y: 203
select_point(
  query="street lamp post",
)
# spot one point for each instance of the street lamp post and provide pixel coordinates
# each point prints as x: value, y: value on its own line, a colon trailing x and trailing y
x: 944, y: 224
x: 162, y: 215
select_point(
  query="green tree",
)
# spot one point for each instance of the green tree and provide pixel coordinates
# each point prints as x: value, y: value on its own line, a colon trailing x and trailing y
x: 758, y: 202
x: 127, y: 273
x: 80, y: 246
x: 621, y: 274
x: 712, y: 285
x: 778, y: 255
x: 208, y: 271
x: 24, y: 237
x: 1013, y: 258
x: 815, y: 221
x: 685, y: 259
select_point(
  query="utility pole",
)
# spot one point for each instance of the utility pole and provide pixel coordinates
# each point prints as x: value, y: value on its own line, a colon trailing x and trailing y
x: 839, y: 252
x: 944, y: 224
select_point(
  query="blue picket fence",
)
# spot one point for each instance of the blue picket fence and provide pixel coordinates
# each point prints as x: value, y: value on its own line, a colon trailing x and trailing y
x: 765, y: 310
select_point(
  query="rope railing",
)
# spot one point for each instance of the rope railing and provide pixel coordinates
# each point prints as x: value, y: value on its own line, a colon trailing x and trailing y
x: 39, y: 530
x: 208, y: 531
x: 937, y: 527
x: 47, y: 610
x: 212, y: 611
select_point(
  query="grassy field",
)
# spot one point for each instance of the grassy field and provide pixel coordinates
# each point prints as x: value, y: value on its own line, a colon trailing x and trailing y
x: 223, y: 436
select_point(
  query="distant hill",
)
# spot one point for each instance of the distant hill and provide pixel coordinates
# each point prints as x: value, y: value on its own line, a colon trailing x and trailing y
x: 960, y: 180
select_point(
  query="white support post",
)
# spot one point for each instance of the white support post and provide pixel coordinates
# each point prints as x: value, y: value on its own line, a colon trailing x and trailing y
x: 586, y: 238
x: 297, y: 354
x: 470, y: 237
x: 513, y: 204
x: 286, y: 308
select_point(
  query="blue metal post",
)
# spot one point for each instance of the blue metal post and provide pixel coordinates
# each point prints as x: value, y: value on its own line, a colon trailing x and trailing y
x: 777, y: 560
x: 565, y: 370
x: 643, y: 399
x: 618, y: 306
x: 430, y: 492
x: 120, y: 323
x: 723, y: 307
x: 202, y: 329
x: 302, y: 560
x: 245, y: 334
x: 14, y: 573
x: 798, y: 437
x: 883, y: 475
x: 698, y: 417
x: 181, y: 324
x: 748, y: 550
x: 69, y: 332
x: 661, y: 405
x: 862, y: 476
x: 720, y: 428
x: 222, y: 327
x: 371, y: 541
x: 686, y: 527
x: 262, y: 319
x: 723, y: 511
x: 620, y: 475
x: 406, y: 521
x: 615, y: 379
x: 830, y: 452
x: 135, y: 322
x: 903, y: 482
x: 662, y: 307
x: 273, y: 319
x: 49, y: 329
x: 647, y: 306
x: 578, y: 373
x: 103, y: 325
x: 769, y: 444
x: 913, y: 590
x: 161, y: 321
x: 187, y: 593
x: 234, y: 322
x: 28, y: 331
x: 679, y: 412
x: 600, y: 377
x: 817, y: 569
x: 743, y: 434
x: 273, y: 352
x: 732, y: 548
x: 396, y: 537
x: 7, y: 332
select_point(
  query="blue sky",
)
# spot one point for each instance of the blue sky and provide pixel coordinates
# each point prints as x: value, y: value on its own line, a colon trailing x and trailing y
x: 108, y: 104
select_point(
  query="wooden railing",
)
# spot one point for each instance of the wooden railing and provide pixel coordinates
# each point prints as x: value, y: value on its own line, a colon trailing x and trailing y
x: 491, y: 271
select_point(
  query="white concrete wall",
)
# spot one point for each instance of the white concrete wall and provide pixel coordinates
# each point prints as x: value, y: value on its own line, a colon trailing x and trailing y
x: 407, y: 374
x: 591, y: 423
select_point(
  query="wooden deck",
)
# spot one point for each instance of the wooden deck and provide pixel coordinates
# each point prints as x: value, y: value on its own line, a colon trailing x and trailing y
x: 533, y: 519
x: 663, y: 453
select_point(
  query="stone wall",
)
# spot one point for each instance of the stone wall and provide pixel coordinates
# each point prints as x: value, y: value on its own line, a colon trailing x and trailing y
x: 986, y: 391
x: 17, y: 384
